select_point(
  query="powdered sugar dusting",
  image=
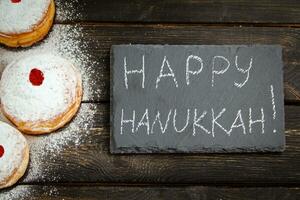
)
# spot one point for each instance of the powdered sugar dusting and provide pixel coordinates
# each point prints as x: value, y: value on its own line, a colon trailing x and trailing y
x: 24, y: 192
x: 49, y: 148
x: 23, y: 16
x: 19, y: 192
x: 27, y: 102
x: 69, y: 42
x: 68, y: 10
x: 14, y: 144
x: 64, y: 40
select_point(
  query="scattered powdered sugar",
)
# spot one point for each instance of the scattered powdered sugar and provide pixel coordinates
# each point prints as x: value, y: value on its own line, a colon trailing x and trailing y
x: 69, y: 42
x: 13, y: 144
x: 64, y: 40
x: 22, y: 16
x: 19, y: 192
x: 68, y: 10
x: 53, y: 192
x: 27, y: 192
x: 45, y: 149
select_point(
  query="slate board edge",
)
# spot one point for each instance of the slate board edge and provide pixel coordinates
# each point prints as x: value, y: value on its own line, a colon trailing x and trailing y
x: 282, y: 100
x: 112, y: 143
x: 139, y: 150
x: 195, y: 45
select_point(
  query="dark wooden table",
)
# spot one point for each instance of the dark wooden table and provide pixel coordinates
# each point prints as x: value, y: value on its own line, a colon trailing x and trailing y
x: 91, y: 172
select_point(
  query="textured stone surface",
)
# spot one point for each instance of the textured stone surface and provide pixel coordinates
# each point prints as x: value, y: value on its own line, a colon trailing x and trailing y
x: 196, y: 99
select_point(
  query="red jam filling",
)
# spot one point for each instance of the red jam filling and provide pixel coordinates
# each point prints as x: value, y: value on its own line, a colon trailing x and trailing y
x: 15, y: 1
x: 1, y: 151
x: 36, y: 77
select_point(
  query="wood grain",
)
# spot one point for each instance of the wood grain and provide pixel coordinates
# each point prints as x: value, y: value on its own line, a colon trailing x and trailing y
x: 34, y: 192
x: 92, y: 162
x: 99, y: 38
x: 89, y: 171
x: 188, y: 11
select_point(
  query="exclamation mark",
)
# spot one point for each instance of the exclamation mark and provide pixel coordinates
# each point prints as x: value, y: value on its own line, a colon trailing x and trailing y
x: 273, y: 104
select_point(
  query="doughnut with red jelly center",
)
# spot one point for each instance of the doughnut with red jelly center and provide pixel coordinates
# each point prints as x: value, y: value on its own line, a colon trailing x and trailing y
x: 40, y: 93
x: 24, y: 22
x: 14, y: 155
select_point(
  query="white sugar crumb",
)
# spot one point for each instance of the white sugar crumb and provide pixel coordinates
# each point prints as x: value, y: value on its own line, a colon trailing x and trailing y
x: 53, y: 192
x: 19, y: 192
x: 68, y: 10
x: 69, y: 42
x: 27, y: 192
x: 48, y: 149
x: 21, y: 17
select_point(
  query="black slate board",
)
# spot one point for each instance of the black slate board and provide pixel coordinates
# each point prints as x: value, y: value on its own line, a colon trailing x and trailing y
x: 203, y: 93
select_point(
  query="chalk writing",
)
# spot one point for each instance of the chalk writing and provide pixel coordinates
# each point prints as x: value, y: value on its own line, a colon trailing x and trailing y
x: 144, y: 122
x: 157, y: 118
x: 169, y: 74
x: 123, y: 121
x: 261, y: 121
x: 220, y: 65
x: 198, y: 128
x: 197, y: 120
x: 241, y: 124
x: 273, y: 102
x: 273, y: 105
x: 186, y: 122
x: 188, y: 71
x: 214, y: 71
x: 195, y: 98
x: 127, y: 72
x: 242, y: 71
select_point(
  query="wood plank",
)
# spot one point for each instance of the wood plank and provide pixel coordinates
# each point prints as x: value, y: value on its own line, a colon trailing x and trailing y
x: 189, y: 11
x: 33, y: 192
x: 99, y: 39
x: 90, y: 160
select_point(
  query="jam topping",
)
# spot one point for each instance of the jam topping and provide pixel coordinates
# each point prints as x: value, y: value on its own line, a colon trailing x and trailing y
x: 1, y: 151
x: 36, y: 77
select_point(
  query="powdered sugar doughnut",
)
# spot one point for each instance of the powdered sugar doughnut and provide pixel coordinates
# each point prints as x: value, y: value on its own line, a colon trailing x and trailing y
x: 14, y: 155
x: 23, y: 22
x: 40, y: 93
